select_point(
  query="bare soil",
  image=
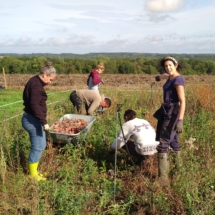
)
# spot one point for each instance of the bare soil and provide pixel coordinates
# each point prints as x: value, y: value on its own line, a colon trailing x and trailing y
x: 63, y: 81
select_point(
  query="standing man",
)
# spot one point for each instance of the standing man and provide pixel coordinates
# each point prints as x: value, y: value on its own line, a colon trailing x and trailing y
x: 87, y: 101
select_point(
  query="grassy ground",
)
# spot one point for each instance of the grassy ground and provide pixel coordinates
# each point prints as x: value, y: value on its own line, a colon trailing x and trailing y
x: 81, y: 179
x: 11, y: 103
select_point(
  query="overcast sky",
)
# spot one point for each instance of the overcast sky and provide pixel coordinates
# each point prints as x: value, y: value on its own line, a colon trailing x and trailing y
x: 84, y: 26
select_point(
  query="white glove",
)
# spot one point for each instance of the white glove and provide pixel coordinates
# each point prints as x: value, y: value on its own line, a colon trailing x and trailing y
x: 46, y: 127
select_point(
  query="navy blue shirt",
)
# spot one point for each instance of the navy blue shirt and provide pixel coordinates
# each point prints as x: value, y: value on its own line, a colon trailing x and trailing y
x: 34, y: 97
x: 169, y: 91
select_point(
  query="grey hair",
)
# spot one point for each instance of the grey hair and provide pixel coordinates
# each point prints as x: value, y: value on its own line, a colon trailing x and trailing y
x: 47, y: 69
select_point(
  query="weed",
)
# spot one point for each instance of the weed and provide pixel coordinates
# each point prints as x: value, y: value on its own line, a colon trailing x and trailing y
x: 81, y: 177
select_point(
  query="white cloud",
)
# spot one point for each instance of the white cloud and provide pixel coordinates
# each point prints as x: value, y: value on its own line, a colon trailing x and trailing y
x: 74, y: 40
x: 152, y: 17
x: 107, y: 26
x: 164, y: 5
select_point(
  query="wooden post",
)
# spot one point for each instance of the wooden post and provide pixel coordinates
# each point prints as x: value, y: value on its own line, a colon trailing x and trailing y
x: 5, y: 81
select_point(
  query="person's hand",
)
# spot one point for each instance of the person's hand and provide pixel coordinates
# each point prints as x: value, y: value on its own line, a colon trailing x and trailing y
x: 157, y: 78
x: 179, y: 126
x: 46, y: 127
x: 102, y: 81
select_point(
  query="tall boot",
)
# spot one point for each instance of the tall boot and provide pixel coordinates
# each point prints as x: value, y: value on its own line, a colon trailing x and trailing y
x: 177, y: 161
x: 33, y: 172
x: 163, y: 169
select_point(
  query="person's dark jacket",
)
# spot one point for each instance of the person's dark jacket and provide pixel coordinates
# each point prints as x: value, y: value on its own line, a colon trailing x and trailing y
x: 34, y: 97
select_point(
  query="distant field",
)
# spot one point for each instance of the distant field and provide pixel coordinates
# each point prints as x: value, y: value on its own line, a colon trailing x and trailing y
x: 78, y: 81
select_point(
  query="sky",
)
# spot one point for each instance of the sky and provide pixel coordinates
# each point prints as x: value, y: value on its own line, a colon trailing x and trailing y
x: 95, y: 26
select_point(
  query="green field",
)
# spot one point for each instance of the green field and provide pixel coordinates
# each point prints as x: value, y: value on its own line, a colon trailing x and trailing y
x: 11, y: 103
x: 80, y: 177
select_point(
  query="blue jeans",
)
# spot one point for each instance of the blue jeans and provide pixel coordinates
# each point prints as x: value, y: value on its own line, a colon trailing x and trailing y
x: 37, y: 136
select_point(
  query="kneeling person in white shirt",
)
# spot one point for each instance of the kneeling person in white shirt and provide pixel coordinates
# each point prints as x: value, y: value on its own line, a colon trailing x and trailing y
x: 143, y: 142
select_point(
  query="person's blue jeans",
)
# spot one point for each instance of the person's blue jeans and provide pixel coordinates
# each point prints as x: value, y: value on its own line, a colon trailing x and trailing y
x: 37, y: 136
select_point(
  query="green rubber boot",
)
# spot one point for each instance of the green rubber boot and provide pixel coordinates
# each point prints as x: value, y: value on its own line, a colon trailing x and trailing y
x: 177, y: 161
x: 163, y: 170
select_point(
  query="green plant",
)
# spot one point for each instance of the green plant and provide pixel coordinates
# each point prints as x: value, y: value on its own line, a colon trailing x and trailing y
x: 80, y: 176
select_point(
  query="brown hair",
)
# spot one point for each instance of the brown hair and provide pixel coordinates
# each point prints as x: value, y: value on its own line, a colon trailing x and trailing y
x: 129, y: 114
x: 108, y: 101
x: 170, y: 58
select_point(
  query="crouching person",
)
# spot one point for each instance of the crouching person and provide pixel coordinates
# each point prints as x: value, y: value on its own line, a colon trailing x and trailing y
x: 87, y: 101
x: 143, y: 144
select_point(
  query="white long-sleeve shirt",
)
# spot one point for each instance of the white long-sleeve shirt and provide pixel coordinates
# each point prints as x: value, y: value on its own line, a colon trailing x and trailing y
x: 141, y: 132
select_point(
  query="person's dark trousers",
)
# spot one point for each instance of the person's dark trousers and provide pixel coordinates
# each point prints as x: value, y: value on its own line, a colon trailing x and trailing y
x: 167, y: 135
x: 132, y: 151
x: 76, y: 101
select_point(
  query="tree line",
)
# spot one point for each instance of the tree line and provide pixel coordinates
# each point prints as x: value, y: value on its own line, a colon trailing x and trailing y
x: 114, y: 55
x: 148, y: 65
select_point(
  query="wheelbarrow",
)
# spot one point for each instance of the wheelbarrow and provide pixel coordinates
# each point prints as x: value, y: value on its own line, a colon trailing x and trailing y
x: 72, y: 138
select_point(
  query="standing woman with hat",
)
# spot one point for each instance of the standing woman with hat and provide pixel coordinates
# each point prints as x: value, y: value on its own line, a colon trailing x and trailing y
x: 170, y: 117
x: 34, y: 118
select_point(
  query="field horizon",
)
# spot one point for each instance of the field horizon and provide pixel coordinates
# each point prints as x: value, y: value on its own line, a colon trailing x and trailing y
x: 68, y: 81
